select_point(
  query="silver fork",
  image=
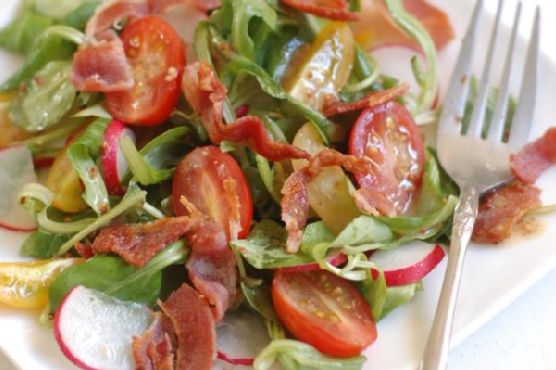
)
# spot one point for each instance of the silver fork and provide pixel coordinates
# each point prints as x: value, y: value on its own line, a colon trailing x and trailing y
x: 477, y: 164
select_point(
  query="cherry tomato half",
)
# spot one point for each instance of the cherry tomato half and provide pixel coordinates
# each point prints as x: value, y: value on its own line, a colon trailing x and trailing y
x: 157, y: 56
x: 388, y: 135
x: 200, y: 178
x: 325, y: 311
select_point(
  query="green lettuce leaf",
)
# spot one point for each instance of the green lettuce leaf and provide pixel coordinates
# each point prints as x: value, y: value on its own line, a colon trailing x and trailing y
x: 82, y: 155
x: 374, y: 291
x: 301, y: 356
x: 20, y: 35
x: 46, y: 48
x: 398, y: 296
x: 43, y: 244
x: 46, y: 99
x: 264, y: 248
x: 113, y: 276
x: 147, y: 165
x: 79, y: 17
x: 244, y: 12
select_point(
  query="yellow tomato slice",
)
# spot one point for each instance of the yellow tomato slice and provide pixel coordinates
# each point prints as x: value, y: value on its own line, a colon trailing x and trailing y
x: 25, y: 284
x: 329, y: 192
x: 324, y: 67
x: 65, y: 183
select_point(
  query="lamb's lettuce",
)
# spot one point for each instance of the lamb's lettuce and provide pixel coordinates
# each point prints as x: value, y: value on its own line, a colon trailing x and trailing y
x: 301, y: 356
x: 20, y: 35
x: 43, y: 244
x: 264, y: 247
x: 79, y: 17
x: 46, y: 98
x: 113, y: 276
x: 48, y: 47
x: 83, y: 154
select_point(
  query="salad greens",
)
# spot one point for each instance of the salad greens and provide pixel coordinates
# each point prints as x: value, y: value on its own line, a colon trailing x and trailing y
x: 48, y: 97
x: 83, y: 153
x: 113, y: 276
x: 263, y: 52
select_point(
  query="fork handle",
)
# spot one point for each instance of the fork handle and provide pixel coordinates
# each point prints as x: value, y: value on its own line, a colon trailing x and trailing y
x: 436, y: 352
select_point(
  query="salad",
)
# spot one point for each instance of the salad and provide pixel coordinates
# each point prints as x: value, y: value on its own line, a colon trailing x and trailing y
x: 229, y: 183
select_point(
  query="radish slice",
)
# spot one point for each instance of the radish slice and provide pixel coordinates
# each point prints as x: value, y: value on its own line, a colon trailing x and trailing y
x: 95, y: 330
x: 337, y: 260
x: 16, y: 170
x: 114, y: 164
x: 409, y: 263
x: 241, y: 336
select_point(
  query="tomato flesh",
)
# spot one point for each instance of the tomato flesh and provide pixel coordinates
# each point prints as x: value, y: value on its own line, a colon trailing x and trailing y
x: 157, y: 56
x: 388, y: 135
x: 200, y: 178
x: 325, y: 311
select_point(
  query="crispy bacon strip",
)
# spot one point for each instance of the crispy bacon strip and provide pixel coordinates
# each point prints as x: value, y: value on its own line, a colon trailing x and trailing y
x: 331, y: 9
x: 194, y: 328
x: 101, y: 64
x: 211, y: 266
x: 137, y: 244
x: 102, y: 67
x: 206, y: 95
x: 535, y: 158
x: 376, y: 28
x: 502, y: 209
x: 153, y: 350
x: 295, y: 202
x: 334, y: 108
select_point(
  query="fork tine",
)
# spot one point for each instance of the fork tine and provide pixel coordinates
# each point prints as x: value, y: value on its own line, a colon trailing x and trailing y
x: 479, y: 105
x: 496, y: 130
x: 525, y: 111
x: 452, y: 111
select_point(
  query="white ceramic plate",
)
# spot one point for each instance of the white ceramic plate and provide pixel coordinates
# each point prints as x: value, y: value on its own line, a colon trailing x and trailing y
x: 493, y: 276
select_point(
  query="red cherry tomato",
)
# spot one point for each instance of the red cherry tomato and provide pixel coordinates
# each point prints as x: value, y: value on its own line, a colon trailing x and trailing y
x: 388, y: 135
x: 325, y: 311
x: 157, y: 56
x: 200, y: 178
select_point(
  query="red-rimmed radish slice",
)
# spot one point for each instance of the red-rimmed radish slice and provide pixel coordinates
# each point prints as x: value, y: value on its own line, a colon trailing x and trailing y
x: 409, y: 263
x: 336, y: 260
x: 16, y: 170
x: 114, y: 164
x: 95, y: 330
x: 241, y: 336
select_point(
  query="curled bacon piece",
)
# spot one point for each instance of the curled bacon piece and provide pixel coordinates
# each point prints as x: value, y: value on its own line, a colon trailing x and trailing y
x: 100, y: 64
x: 502, y: 209
x: 194, y: 328
x: 137, y: 244
x: 295, y: 203
x: 153, y: 350
x: 376, y: 28
x: 535, y: 158
x: 334, y: 108
x: 331, y: 9
x: 211, y: 266
x: 206, y: 95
